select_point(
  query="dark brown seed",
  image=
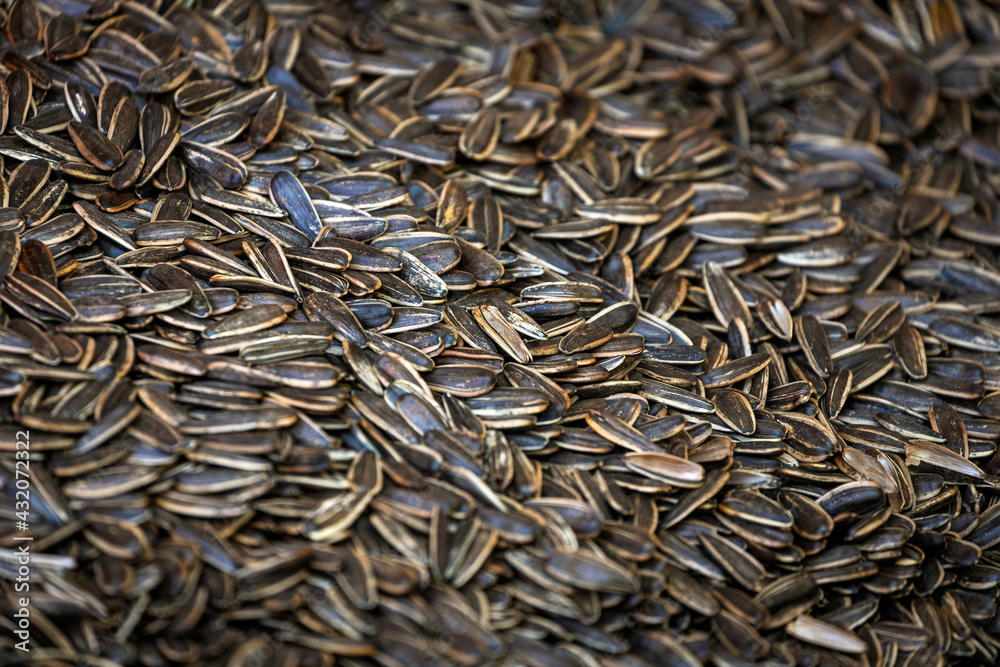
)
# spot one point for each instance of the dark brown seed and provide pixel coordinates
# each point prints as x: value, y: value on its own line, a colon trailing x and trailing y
x: 95, y: 147
x: 585, y: 337
x: 167, y: 76
x: 266, y: 123
x: 734, y: 408
x: 815, y: 344
x: 156, y: 156
x: 433, y: 80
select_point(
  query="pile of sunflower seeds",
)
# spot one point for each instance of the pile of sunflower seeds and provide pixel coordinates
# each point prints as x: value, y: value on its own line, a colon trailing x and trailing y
x: 576, y: 332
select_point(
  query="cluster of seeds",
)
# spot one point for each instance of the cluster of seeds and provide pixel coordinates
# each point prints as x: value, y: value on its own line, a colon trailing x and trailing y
x: 576, y: 333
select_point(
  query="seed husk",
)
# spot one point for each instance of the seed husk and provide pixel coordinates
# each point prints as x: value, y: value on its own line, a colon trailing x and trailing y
x: 815, y: 631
